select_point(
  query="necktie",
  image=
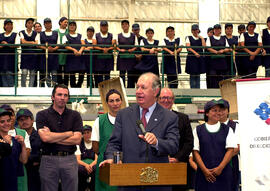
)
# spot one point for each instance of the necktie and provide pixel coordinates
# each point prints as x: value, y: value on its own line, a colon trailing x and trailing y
x: 144, y: 111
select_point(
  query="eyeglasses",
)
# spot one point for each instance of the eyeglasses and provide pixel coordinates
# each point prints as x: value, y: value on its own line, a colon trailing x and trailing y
x: 164, y: 98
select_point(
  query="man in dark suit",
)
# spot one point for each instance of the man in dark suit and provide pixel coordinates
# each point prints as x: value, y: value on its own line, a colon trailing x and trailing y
x: 166, y: 99
x: 161, y: 138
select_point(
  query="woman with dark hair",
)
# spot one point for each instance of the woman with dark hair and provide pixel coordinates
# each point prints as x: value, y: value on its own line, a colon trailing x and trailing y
x: 149, y: 62
x: 214, y: 143
x: 102, y: 130
x: 8, y: 56
x: 10, y: 167
x: 75, y: 63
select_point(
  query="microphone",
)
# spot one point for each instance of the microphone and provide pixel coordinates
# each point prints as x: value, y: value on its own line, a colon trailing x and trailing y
x: 140, y: 125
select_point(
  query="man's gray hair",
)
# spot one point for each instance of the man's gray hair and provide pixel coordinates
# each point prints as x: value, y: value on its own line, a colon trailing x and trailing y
x: 155, y: 81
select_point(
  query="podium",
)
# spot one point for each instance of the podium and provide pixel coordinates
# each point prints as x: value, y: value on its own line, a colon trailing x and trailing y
x: 144, y: 174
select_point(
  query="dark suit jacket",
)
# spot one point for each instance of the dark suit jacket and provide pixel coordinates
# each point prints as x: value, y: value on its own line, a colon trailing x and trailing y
x: 162, y: 123
x: 186, y: 137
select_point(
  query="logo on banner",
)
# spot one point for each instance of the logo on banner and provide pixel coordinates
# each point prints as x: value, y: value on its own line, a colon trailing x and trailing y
x: 263, y: 112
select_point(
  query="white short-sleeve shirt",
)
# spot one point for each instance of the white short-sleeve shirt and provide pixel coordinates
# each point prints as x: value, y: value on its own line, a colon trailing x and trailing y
x: 208, y: 42
x: 230, y: 140
x: 150, y: 42
x: 49, y: 34
x: 104, y: 36
x: 170, y: 40
x: 95, y: 130
x: 29, y: 34
x: 242, y: 37
x: 17, y: 38
x: 127, y: 35
x: 64, y: 40
x: 87, y: 145
x: 188, y: 41
x: 236, y: 132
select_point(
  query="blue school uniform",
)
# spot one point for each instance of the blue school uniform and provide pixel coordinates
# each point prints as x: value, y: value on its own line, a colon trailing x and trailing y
x: 8, y: 59
x: 126, y: 61
x: 212, y: 152
x: 169, y: 60
x: 235, y: 162
x: 231, y: 41
x: 251, y: 66
x: 218, y: 62
x: 87, y: 156
x: 87, y: 59
x: 10, y: 166
x: 170, y: 65
x: 29, y: 61
x: 149, y: 63
x: 207, y: 59
x: 218, y: 68
x: 52, y: 58
x: 74, y: 63
x: 266, y: 42
x: 104, y: 62
x: 195, y: 65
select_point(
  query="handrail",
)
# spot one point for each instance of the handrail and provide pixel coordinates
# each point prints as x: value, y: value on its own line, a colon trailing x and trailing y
x: 93, y: 52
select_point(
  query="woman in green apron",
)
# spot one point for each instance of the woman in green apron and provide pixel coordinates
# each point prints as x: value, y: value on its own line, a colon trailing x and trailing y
x: 62, y: 31
x: 102, y: 130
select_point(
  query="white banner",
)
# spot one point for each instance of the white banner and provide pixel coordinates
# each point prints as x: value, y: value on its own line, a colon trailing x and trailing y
x: 253, y: 97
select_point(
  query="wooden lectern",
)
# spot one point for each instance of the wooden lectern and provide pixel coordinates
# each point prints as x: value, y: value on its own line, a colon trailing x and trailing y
x: 144, y: 174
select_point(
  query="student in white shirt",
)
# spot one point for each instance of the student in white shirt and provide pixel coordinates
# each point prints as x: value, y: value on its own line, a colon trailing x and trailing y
x: 214, y: 143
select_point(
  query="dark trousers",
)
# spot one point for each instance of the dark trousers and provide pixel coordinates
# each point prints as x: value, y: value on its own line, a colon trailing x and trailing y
x: 62, y: 77
x: 84, y: 179
x: 33, y: 177
x: 215, y: 76
x: 251, y: 72
x: 100, y: 77
x: 194, y: 81
x: 59, y: 168
x: 79, y: 82
x: 132, y: 77
x: 172, y: 80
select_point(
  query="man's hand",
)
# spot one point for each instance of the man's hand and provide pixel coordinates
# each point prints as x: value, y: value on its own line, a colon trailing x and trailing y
x: 173, y: 160
x: 150, y: 138
x: 108, y: 161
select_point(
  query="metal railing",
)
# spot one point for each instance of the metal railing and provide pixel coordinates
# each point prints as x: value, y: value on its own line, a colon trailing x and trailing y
x: 91, y: 53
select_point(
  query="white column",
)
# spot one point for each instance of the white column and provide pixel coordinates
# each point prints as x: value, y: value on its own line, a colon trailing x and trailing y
x: 50, y: 9
x: 131, y: 12
x: 208, y: 17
